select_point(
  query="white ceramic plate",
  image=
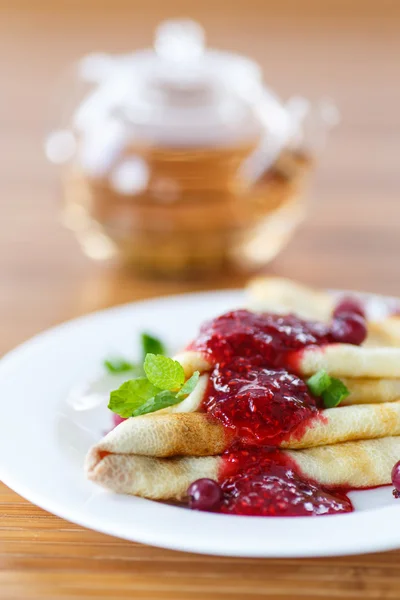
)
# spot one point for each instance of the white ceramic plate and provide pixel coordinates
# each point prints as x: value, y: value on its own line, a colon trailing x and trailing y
x: 43, y: 442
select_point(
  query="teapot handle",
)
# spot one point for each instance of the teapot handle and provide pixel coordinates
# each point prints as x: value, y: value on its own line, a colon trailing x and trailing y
x: 311, y: 123
x: 275, y: 123
x: 298, y: 125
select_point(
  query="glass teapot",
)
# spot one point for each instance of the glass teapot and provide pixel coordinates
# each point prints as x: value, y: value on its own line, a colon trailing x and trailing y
x: 179, y: 161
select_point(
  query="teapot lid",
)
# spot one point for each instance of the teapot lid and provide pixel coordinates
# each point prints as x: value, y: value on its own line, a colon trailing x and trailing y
x: 180, y: 93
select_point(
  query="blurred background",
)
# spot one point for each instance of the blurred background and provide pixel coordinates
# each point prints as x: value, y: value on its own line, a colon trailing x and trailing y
x: 347, y: 51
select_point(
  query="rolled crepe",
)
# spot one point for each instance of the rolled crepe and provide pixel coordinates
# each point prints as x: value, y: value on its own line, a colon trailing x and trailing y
x: 153, y: 478
x: 362, y: 391
x: 371, y: 391
x: 364, y: 463
x: 352, y: 464
x: 192, y: 360
x: 162, y: 435
x: 348, y: 423
x: 279, y: 295
x: 345, y: 360
x: 195, y: 434
x: 385, y: 332
x: 283, y: 296
x: 339, y: 360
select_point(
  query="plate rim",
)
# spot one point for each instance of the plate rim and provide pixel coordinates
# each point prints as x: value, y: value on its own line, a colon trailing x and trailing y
x: 391, y: 541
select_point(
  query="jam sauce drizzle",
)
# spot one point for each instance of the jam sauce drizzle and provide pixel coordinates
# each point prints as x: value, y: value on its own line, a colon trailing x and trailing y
x: 265, y: 482
x: 254, y: 391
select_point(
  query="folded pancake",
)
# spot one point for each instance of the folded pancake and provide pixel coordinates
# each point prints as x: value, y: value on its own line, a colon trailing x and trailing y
x: 362, y: 391
x: 162, y: 435
x: 345, y: 360
x: 360, y: 464
x: 371, y: 391
x: 348, y: 423
x: 339, y: 360
x: 192, y: 360
x: 385, y: 332
x: 196, y: 434
x: 153, y: 478
x: 352, y: 464
x: 283, y: 296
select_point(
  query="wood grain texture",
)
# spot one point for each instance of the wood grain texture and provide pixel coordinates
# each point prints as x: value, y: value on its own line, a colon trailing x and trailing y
x: 345, y: 49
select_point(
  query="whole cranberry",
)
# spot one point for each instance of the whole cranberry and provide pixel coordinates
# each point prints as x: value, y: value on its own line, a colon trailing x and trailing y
x: 117, y: 419
x: 349, y: 328
x: 396, y: 478
x: 204, y: 494
x: 349, y: 304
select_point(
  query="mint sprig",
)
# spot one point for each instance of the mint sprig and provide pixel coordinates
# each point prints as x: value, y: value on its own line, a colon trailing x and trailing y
x: 189, y: 386
x: 319, y: 382
x: 131, y: 395
x: 164, y: 386
x: 335, y: 393
x: 164, y: 372
x: 149, y: 344
x: 161, y: 400
x: 119, y: 365
x: 330, y: 389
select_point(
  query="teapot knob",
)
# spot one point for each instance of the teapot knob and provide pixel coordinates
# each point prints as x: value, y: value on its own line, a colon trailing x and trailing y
x: 179, y: 41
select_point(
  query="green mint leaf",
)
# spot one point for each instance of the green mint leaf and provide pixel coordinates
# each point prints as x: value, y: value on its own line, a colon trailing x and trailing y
x: 319, y: 382
x: 131, y: 395
x: 189, y: 386
x: 118, y: 365
x: 164, y: 372
x: 331, y: 390
x: 151, y: 345
x: 335, y: 393
x: 160, y: 400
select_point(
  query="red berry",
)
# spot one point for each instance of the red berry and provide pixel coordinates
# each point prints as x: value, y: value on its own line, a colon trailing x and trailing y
x: 204, y: 494
x: 349, y: 328
x: 396, y: 476
x: 349, y: 304
x: 117, y: 419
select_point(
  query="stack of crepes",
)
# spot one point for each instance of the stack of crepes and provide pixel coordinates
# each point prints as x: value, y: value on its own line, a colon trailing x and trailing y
x: 354, y: 445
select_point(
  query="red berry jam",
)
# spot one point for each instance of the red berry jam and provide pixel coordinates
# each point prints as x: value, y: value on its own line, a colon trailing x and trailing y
x: 268, y: 336
x: 264, y: 482
x: 254, y: 392
x: 263, y: 405
x: 250, y: 388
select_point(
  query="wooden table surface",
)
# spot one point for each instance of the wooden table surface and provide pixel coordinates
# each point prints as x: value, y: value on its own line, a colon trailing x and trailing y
x: 346, y: 50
